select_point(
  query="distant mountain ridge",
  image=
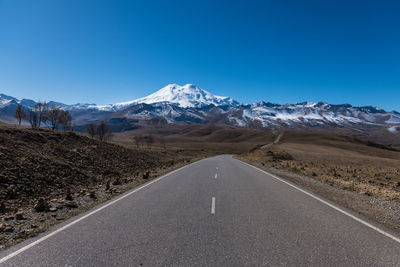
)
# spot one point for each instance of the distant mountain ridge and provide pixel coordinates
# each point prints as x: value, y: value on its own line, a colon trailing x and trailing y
x: 191, y: 104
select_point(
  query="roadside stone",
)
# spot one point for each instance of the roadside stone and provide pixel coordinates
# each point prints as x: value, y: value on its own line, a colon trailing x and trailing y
x: 53, y: 209
x: 9, y: 229
x: 9, y: 218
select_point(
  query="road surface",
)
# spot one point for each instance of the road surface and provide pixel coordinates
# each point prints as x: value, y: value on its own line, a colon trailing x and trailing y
x: 276, y: 141
x: 215, y: 212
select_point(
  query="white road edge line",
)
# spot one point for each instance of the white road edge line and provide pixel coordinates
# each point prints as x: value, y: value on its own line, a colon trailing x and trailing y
x: 330, y: 205
x: 213, y: 205
x: 15, y: 253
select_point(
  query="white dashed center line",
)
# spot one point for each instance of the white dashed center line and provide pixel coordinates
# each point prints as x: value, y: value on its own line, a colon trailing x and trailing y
x: 216, y: 175
x: 213, y: 205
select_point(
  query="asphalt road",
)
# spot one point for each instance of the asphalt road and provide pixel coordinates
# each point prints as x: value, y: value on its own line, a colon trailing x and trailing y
x: 215, y: 212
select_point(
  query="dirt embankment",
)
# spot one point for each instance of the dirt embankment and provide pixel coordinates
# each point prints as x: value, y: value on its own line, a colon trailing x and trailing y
x: 47, y: 176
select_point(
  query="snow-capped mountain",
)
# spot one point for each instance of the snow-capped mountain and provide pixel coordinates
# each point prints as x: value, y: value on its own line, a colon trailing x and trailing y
x: 191, y: 104
x: 186, y: 96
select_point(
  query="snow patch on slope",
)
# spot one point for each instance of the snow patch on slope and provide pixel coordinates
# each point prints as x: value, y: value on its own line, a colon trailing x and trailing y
x: 393, y: 129
x: 394, y: 119
x: 6, y: 100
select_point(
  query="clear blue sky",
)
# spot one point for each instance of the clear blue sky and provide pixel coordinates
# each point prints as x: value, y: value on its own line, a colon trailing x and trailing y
x: 278, y: 51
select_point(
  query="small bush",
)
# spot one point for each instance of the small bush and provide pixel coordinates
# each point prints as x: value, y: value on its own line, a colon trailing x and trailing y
x: 93, y: 195
x: 117, y: 181
x: 71, y: 205
x: 69, y: 196
x: 3, y: 208
x: 42, y: 205
x: 281, y: 155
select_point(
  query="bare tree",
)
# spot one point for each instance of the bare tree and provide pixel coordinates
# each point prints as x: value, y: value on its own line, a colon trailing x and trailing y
x: 41, y: 108
x: 19, y: 114
x: 54, y: 115
x: 91, y: 129
x: 137, y: 139
x: 65, y: 119
x: 33, y: 119
x: 103, y: 131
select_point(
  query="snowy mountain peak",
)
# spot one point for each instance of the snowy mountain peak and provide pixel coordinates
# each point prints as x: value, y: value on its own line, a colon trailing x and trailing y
x: 188, y: 95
